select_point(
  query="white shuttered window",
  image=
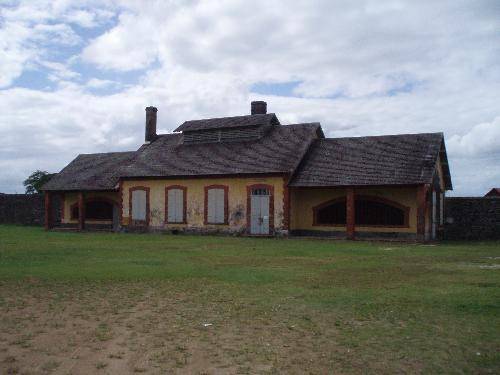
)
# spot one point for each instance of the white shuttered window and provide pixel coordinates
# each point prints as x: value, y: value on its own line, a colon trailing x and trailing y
x: 215, y: 206
x: 175, y: 206
x: 139, y: 205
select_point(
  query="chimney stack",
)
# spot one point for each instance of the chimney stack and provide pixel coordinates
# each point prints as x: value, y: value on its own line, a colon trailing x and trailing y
x: 151, y: 124
x: 258, y: 108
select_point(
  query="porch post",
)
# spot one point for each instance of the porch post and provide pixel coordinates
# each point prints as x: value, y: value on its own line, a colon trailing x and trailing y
x: 81, y: 211
x: 421, y: 211
x: 48, y: 210
x: 350, y: 214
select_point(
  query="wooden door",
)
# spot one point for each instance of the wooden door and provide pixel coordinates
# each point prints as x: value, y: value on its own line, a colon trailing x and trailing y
x: 259, y: 212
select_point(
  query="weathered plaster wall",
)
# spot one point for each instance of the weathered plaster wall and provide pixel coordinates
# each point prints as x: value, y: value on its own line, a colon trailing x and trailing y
x: 71, y: 198
x: 237, y: 201
x: 304, y: 199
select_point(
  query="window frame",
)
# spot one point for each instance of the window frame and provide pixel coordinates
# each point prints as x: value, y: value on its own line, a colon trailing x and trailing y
x: 184, y: 203
x: 320, y: 206
x: 225, y: 188
x: 148, y: 212
x: 405, y: 209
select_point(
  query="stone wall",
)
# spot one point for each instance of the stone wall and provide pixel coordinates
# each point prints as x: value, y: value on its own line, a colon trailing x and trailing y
x: 472, y: 218
x: 25, y: 209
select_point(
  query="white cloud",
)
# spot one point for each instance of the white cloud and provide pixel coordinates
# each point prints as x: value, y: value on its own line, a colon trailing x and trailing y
x: 363, y: 68
x: 119, y: 49
x: 482, y: 139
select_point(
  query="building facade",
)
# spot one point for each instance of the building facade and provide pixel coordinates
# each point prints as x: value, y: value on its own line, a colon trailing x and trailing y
x: 251, y: 175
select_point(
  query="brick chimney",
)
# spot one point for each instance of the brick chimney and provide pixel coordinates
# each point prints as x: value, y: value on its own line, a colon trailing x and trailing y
x: 151, y: 124
x: 258, y: 108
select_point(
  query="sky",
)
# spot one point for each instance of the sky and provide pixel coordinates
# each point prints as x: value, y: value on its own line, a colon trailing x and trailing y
x: 76, y: 76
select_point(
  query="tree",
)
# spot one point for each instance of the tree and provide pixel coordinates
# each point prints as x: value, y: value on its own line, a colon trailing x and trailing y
x: 36, y: 180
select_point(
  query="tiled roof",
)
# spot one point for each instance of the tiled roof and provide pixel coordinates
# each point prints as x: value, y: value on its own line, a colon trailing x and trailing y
x: 381, y: 160
x: 279, y: 151
x: 228, y: 122
x: 91, y: 172
x: 299, y: 150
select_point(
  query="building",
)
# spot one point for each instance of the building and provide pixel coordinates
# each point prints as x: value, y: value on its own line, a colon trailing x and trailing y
x: 252, y: 175
x: 495, y: 192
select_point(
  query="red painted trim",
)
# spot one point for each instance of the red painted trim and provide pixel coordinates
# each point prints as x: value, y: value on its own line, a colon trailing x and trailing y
x: 271, y: 205
x: 350, y: 213
x: 138, y: 222
x: 184, y: 177
x: 226, y: 204
x: 184, y: 203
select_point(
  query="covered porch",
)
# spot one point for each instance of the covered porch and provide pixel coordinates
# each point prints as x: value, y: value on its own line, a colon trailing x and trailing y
x: 81, y: 210
x: 392, y: 212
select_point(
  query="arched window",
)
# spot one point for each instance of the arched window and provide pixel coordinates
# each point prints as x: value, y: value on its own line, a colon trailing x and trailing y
x: 94, y: 210
x: 369, y: 211
x: 375, y: 211
x: 331, y: 213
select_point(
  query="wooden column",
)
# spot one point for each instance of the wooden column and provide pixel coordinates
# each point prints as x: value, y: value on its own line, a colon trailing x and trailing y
x: 350, y: 213
x: 81, y: 211
x: 421, y: 211
x: 48, y: 210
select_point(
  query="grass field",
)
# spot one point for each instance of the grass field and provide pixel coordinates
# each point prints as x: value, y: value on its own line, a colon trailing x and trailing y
x: 85, y: 303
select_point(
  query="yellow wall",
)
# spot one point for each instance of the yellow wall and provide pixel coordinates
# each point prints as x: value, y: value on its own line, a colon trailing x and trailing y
x: 237, y: 201
x: 303, y: 200
x: 71, y: 198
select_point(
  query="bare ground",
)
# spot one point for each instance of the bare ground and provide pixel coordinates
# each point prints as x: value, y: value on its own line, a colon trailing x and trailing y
x: 143, y: 328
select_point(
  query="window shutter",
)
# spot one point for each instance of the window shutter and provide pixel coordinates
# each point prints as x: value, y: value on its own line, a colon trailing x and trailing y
x: 171, y: 206
x: 219, y: 206
x: 175, y: 206
x: 179, y: 206
x: 139, y: 205
x: 211, y: 205
x: 215, y: 206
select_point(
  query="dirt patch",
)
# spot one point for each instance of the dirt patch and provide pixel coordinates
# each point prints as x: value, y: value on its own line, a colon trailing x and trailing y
x: 153, y: 329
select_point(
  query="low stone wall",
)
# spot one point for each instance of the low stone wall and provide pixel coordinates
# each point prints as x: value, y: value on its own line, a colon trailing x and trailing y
x: 472, y: 218
x: 25, y: 209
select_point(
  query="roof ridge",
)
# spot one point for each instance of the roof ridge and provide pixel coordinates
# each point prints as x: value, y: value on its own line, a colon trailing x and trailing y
x: 383, y: 135
x: 228, y: 117
x: 106, y: 153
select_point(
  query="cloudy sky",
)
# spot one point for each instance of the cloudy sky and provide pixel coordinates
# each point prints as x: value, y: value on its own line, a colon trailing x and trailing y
x: 75, y: 76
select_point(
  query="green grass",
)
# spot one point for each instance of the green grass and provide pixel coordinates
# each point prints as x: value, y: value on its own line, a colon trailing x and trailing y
x: 369, y: 307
